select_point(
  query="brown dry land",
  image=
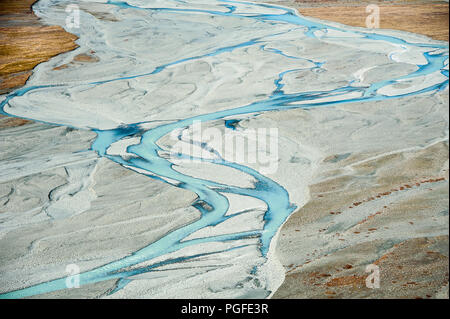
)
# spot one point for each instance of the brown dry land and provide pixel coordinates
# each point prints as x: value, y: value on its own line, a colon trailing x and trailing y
x: 413, y: 268
x: 429, y: 18
x: 24, y: 43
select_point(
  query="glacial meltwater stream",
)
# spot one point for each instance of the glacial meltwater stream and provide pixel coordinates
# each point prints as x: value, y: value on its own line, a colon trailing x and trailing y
x: 272, y: 26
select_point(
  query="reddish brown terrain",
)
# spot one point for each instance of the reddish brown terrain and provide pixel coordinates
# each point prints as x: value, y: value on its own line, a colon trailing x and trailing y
x: 24, y: 43
x: 424, y: 17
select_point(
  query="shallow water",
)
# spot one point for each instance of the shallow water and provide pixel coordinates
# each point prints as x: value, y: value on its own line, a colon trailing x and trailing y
x: 254, y: 26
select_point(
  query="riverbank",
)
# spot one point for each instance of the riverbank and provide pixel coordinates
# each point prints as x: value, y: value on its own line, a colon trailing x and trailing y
x: 390, y: 210
x: 26, y: 42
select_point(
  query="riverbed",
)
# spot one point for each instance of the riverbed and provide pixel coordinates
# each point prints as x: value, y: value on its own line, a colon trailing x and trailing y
x: 212, y: 224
